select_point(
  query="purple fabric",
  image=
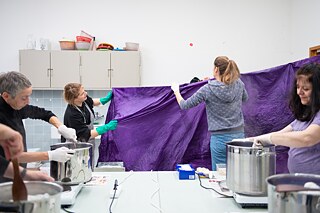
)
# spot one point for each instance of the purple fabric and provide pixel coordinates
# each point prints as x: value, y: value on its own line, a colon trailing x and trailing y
x: 153, y: 133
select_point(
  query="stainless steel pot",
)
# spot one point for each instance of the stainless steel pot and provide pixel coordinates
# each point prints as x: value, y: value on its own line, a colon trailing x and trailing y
x: 76, y: 170
x: 292, y: 201
x: 248, y: 167
x: 43, y: 197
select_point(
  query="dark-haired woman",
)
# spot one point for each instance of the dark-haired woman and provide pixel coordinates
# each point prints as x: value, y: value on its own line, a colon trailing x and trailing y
x: 303, y: 134
x: 223, y: 97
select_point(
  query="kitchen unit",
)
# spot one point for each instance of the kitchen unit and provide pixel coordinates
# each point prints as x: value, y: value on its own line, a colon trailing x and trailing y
x: 50, y: 69
x: 94, y: 69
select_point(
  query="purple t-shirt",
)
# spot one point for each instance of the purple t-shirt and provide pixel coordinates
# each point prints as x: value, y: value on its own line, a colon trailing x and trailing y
x: 306, y: 159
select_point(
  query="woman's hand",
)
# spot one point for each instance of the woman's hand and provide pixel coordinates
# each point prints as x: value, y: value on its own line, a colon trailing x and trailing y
x: 262, y: 140
x: 106, y: 99
x: 11, y: 141
x: 175, y: 87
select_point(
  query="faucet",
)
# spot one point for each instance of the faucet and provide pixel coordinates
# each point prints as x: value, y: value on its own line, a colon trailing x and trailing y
x: 97, y: 116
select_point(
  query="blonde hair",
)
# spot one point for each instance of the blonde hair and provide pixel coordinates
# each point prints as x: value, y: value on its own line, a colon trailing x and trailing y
x: 228, y: 69
x: 71, y: 92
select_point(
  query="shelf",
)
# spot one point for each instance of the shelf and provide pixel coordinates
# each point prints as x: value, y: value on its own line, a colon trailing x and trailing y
x: 314, y: 51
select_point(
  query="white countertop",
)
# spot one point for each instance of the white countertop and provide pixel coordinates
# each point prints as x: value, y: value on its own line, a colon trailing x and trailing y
x: 154, y: 192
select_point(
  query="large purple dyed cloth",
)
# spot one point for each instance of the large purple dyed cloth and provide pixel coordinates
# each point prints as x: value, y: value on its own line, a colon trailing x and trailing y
x: 153, y: 133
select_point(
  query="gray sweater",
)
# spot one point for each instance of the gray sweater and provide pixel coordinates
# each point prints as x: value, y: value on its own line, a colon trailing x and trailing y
x: 223, y: 104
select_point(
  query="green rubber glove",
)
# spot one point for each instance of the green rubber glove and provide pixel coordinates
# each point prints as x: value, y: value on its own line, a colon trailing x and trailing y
x: 112, y: 125
x: 106, y: 99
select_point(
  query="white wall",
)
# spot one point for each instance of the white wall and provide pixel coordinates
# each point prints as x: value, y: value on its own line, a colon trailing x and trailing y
x: 305, y: 31
x: 257, y: 34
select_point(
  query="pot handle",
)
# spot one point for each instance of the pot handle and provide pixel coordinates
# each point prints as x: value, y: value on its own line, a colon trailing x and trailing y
x: 293, y: 188
x: 261, y: 153
x: 17, y: 207
x: 9, y: 207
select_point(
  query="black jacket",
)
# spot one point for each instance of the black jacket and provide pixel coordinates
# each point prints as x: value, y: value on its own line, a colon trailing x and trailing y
x: 77, y: 120
x: 13, y: 118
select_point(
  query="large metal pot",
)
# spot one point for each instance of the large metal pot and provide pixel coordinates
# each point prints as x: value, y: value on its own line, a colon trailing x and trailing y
x: 248, y: 167
x: 290, y: 200
x: 43, y: 197
x: 76, y: 170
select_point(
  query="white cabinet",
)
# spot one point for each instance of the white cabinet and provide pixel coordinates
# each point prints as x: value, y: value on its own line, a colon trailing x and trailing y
x: 50, y: 69
x: 64, y: 68
x: 93, y: 69
x: 107, y: 69
x: 125, y: 69
x: 36, y: 66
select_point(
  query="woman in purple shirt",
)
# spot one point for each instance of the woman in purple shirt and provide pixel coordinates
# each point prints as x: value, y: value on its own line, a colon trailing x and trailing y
x: 303, y: 134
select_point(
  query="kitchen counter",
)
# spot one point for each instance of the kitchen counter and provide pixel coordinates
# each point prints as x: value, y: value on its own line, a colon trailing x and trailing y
x: 154, y: 192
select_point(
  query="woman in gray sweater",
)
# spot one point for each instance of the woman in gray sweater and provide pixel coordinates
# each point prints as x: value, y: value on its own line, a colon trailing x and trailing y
x: 223, y: 98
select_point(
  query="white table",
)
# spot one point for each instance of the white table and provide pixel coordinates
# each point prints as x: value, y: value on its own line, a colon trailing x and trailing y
x: 137, y: 189
x: 187, y: 196
x: 154, y: 192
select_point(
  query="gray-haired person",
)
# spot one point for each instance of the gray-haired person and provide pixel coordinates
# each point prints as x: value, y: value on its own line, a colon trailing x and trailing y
x: 15, y: 90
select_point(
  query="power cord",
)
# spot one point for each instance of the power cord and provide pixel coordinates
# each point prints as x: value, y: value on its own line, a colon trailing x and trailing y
x: 66, y: 210
x: 115, y: 187
x: 226, y: 196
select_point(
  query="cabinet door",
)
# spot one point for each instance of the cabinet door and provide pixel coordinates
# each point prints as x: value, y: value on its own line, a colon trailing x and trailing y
x: 64, y: 68
x: 36, y: 66
x: 125, y: 68
x: 95, y: 69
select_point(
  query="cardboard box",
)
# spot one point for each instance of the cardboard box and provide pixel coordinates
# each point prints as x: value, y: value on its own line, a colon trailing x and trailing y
x: 186, y: 172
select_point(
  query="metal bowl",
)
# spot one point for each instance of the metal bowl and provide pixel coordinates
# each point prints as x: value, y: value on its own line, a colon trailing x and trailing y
x: 292, y: 201
x: 76, y: 170
x: 248, y: 167
x: 43, y: 197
